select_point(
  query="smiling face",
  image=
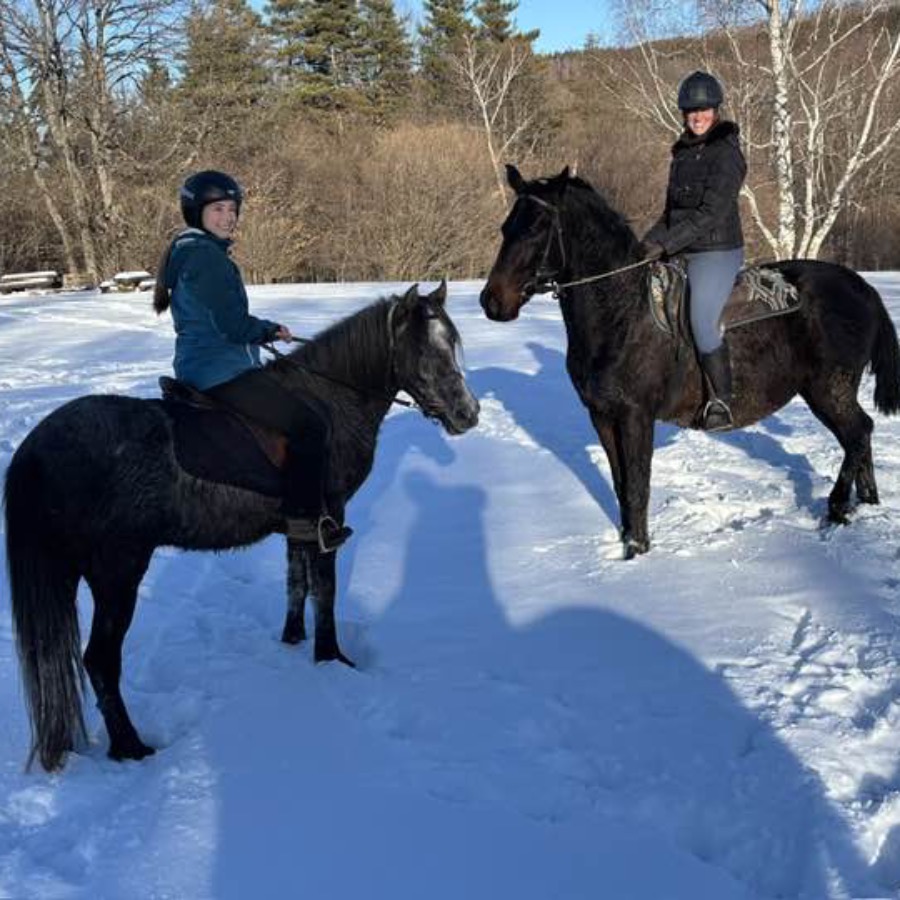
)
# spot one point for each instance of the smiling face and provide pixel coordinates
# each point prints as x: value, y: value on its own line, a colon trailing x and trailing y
x: 220, y: 218
x: 699, y: 121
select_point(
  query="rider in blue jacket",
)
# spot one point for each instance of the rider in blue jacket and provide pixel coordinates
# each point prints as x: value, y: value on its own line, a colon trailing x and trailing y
x: 217, y: 349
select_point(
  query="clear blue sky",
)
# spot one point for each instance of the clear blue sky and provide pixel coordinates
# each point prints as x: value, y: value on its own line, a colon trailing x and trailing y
x: 564, y: 24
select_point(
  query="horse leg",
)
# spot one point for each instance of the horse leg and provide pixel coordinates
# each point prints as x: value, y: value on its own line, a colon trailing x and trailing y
x: 607, y: 433
x: 837, y: 408
x: 629, y: 447
x: 298, y: 587
x: 326, y: 645
x: 866, y: 487
x: 636, y: 442
x: 114, y: 584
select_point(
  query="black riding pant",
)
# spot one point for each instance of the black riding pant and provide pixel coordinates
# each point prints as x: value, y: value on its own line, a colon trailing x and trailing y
x: 259, y: 396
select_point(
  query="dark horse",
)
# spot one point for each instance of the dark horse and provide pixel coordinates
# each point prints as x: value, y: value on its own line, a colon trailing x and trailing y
x: 628, y: 373
x: 95, y: 488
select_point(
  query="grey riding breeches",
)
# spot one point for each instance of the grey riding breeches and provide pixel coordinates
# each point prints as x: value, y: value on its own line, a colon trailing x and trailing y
x: 711, y: 275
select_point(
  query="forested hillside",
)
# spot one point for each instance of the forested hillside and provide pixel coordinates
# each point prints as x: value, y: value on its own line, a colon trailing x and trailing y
x: 372, y: 148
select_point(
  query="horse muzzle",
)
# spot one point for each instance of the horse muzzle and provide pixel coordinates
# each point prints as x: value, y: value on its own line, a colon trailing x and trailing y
x: 503, y: 305
x: 462, y: 415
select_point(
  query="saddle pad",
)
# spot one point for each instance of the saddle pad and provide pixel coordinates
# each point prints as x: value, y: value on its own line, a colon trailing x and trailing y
x: 667, y: 288
x: 214, y: 446
x: 758, y: 293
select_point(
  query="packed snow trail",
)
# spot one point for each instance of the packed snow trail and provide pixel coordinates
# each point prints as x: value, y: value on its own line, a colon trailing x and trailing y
x: 532, y: 717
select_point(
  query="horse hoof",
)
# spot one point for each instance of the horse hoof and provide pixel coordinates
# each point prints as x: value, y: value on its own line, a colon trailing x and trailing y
x: 838, y: 516
x: 635, y: 548
x: 334, y: 655
x: 135, y: 751
x: 293, y: 634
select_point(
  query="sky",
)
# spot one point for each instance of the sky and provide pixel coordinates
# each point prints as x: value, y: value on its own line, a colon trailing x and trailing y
x: 564, y: 24
x: 531, y: 717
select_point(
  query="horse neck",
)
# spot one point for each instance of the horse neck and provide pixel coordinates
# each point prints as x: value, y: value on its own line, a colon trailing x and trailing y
x: 354, y: 356
x: 597, y: 241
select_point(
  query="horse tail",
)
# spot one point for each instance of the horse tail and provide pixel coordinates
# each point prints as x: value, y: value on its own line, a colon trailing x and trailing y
x: 162, y: 297
x: 43, y: 585
x: 885, y: 362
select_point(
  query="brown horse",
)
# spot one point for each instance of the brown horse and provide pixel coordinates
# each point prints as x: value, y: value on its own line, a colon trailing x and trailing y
x: 628, y: 373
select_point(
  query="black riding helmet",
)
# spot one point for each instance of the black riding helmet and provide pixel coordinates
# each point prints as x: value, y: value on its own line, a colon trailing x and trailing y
x: 700, y: 91
x: 207, y: 187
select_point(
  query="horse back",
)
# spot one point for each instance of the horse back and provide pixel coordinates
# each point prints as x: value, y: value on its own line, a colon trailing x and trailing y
x: 842, y: 311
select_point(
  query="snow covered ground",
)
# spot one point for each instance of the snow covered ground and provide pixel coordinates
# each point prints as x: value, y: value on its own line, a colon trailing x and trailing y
x: 532, y: 718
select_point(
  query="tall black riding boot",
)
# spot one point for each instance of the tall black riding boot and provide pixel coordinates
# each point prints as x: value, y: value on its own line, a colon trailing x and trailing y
x: 716, y: 367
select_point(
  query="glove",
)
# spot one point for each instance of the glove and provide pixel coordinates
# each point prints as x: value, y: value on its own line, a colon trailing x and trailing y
x: 651, y: 250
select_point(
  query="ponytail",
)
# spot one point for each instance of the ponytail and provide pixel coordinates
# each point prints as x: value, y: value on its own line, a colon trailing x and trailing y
x: 161, y: 294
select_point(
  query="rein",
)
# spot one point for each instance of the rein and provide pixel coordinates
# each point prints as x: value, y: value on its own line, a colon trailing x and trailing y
x: 551, y: 284
x: 409, y: 404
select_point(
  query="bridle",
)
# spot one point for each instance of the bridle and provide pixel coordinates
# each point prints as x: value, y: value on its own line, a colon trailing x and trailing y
x: 543, y: 275
x: 544, y: 281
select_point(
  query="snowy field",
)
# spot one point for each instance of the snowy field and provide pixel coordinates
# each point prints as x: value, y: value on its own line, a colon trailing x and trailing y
x: 532, y: 717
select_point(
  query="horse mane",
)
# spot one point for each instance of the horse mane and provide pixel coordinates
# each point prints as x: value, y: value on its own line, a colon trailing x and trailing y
x: 355, y: 347
x: 607, y: 228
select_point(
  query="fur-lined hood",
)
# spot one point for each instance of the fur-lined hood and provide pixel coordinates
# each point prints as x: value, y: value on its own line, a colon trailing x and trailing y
x: 722, y: 130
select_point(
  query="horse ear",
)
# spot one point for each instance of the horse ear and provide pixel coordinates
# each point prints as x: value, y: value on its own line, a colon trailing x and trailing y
x: 411, y: 297
x: 514, y: 178
x: 561, y: 181
x: 439, y: 294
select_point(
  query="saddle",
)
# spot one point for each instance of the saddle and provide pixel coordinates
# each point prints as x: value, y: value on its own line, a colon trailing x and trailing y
x: 758, y: 293
x: 214, y: 443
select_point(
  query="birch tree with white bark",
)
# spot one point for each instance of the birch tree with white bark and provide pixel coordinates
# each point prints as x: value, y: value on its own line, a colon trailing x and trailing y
x: 67, y: 68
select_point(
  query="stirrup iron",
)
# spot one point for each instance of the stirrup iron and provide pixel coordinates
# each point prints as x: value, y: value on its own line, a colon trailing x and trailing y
x: 325, y: 532
x: 718, y: 409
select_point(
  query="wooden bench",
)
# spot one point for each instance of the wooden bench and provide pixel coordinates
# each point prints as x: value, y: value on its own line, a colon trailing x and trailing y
x: 30, y: 281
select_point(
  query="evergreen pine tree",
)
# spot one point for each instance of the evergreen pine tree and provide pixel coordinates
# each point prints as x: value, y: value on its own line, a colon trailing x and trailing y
x: 224, y: 71
x: 386, y: 56
x: 318, y: 48
x: 445, y: 28
x: 496, y: 21
x: 495, y: 18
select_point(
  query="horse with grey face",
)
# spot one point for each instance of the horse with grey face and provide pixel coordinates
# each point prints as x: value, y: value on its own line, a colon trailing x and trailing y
x: 96, y: 487
x: 628, y: 373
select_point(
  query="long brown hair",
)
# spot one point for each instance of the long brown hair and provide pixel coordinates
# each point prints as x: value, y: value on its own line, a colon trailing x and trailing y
x: 162, y: 296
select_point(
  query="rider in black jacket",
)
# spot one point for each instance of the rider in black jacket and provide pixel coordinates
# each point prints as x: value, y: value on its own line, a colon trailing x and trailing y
x: 701, y: 220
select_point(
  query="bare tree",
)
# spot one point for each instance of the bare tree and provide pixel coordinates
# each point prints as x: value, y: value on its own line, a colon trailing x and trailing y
x: 68, y: 67
x: 816, y: 87
x: 493, y: 74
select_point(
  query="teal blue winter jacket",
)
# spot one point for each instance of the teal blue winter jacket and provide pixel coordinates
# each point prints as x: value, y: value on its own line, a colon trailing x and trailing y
x: 216, y: 338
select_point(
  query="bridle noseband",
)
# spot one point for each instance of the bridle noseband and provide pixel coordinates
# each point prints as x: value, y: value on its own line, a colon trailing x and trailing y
x: 544, y: 276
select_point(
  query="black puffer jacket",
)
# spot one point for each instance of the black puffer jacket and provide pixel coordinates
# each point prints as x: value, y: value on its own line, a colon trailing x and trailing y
x: 702, y: 200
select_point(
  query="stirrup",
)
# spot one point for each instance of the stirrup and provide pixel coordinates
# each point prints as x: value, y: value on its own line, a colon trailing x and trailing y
x: 716, y: 416
x: 325, y: 532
